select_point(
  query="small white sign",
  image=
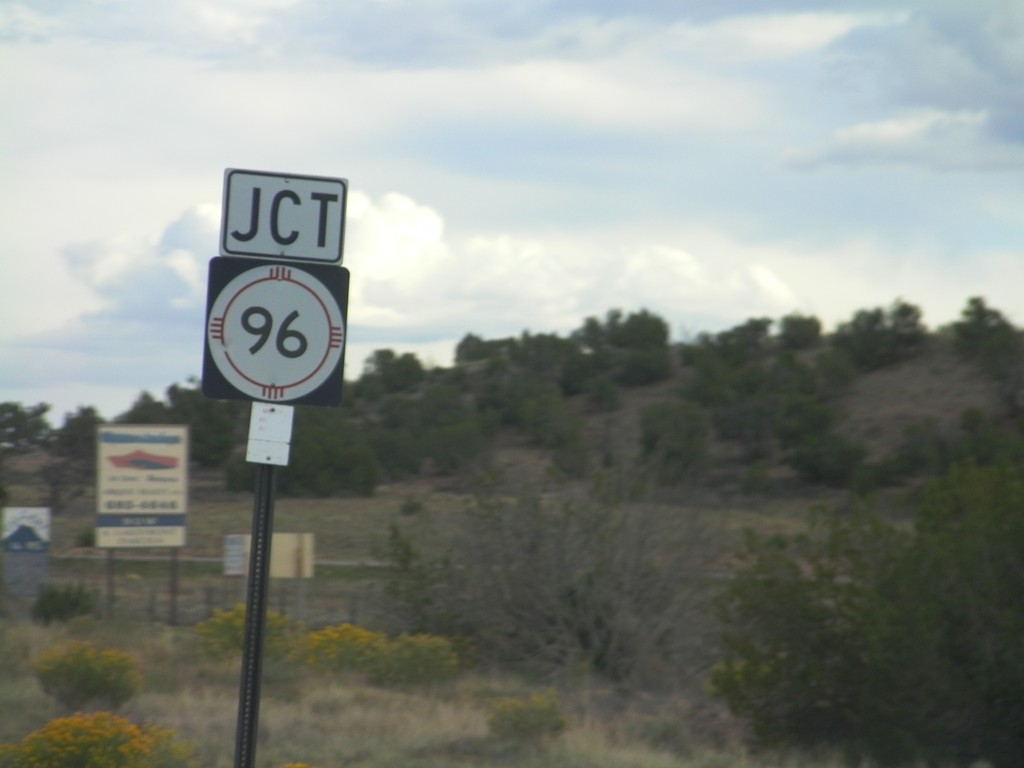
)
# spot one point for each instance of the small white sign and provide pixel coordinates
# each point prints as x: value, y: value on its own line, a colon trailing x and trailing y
x: 270, y: 434
x: 235, y: 546
x: 267, y: 452
x: 283, y: 216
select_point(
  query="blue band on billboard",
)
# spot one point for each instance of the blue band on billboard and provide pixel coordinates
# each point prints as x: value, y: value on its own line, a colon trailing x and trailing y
x: 134, y: 437
x: 140, y: 521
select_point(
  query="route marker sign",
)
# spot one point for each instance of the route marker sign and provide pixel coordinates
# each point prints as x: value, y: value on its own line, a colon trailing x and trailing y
x: 275, y: 331
x: 282, y: 216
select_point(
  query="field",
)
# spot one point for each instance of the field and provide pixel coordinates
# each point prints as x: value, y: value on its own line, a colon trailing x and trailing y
x: 325, y: 722
x: 345, y: 722
x: 349, y: 533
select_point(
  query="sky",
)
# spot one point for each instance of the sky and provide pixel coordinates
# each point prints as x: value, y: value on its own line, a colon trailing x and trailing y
x: 512, y: 167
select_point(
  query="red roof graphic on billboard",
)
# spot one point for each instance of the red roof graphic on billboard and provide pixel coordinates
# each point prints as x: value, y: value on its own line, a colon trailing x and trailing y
x: 143, y: 460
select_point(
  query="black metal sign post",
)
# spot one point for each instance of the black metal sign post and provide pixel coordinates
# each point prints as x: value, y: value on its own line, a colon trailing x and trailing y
x: 255, y: 617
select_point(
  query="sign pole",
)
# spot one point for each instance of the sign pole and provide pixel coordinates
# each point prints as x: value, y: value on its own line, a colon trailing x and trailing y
x: 172, y: 611
x: 255, y: 617
x: 110, y: 583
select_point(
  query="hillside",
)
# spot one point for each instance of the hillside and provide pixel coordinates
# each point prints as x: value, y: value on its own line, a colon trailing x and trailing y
x: 936, y: 385
x: 740, y: 419
x: 876, y: 408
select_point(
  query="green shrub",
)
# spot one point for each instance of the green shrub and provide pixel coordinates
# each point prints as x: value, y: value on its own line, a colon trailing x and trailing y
x: 451, y: 447
x: 328, y: 454
x: 79, y: 673
x: 472, y: 348
x: 897, y: 646
x: 802, y: 419
x: 714, y: 380
x: 647, y: 366
x: 412, y: 660
x: 603, y: 394
x: 985, y: 335
x: 411, y: 505
x: 545, y: 416
x: 749, y: 422
x: 876, y: 338
x: 572, y: 458
x: 983, y: 442
x: 828, y: 459
x: 835, y: 370
x: 536, y: 717
x: 741, y: 344
x: 641, y: 330
x: 793, y: 617
x: 579, y: 370
x: 756, y: 478
x: 86, y: 537
x: 675, y: 437
x: 223, y: 634
x: 97, y: 740
x: 926, y: 448
x: 798, y: 331
x: 239, y: 475
x: 62, y: 603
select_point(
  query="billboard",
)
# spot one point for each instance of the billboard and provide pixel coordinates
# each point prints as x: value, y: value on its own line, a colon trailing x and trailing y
x: 141, y: 485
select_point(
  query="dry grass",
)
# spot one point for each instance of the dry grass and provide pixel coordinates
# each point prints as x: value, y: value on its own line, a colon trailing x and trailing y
x: 329, y: 722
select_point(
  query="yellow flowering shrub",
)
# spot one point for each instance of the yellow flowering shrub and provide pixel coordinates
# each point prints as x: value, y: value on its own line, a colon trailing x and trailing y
x: 223, y: 634
x: 529, y: 719
x: 79, y: 673
x: 343, y: 648
x: 408, y: 659
x: 97, y: 740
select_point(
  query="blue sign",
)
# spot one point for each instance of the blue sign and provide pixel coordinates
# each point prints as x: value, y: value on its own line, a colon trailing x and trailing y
x: 26, y: 529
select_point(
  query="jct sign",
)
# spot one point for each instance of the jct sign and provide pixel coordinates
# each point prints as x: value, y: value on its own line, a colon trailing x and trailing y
x: 283, y: 217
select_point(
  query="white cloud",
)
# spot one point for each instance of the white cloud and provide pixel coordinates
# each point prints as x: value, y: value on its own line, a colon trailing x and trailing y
x: 772, y: 287
x: 755, y: 37
x: 943, y: 141
x: 97, y: 264
x: 395, y: 238
x: 622, y: 94
x: 234, y: 21
x: 147, y: 272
